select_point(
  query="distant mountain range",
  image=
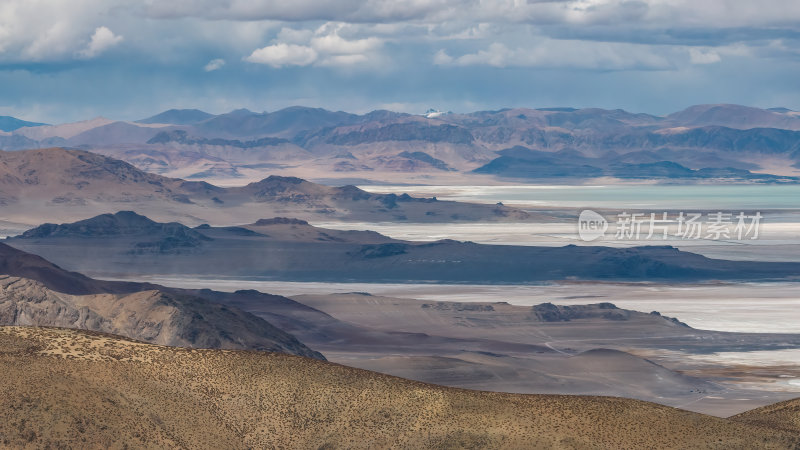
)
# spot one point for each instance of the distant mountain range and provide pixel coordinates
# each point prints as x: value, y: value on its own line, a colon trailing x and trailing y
x: 721, y: 142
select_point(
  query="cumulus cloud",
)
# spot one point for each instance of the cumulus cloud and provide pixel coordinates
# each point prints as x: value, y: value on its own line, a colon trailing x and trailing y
x: 37, y: 30
x: 214, y: 64
x: 323, y: 47
x: 335, y: 44
x: 101, y: 40
x: 441, y: 58
x: 283, y: 55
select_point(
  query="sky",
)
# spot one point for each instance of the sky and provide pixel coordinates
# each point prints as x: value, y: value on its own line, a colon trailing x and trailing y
x: 67, y: 60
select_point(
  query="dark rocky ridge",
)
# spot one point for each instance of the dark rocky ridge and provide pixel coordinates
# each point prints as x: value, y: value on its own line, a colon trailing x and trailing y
x: 157, y: 237
x: 181, y: 137
x: 288, y: 250
x: 548, y: 312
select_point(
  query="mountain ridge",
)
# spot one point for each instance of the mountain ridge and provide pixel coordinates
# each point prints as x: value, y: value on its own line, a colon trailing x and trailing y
x: 242, y: 143
x: 61, y: 183
x: 178, y: 117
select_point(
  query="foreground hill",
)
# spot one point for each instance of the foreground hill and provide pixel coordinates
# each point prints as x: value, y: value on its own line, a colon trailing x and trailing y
x: 70, y: 388
x: 783, y: 416
x: 63, y: 183
x: 290, y: 249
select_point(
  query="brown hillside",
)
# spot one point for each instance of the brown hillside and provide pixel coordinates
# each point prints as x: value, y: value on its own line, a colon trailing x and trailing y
x: 65, y: 388
x: 783, y: 416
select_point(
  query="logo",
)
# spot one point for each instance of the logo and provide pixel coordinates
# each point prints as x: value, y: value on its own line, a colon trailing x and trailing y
x: 591, y: 226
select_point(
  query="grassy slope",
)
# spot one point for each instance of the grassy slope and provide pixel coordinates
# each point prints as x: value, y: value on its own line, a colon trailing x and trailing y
x: 72, y: 388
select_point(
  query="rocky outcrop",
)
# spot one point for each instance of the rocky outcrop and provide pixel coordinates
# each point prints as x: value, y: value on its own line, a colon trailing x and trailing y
x: 151, y: 316
x: 548, y: 312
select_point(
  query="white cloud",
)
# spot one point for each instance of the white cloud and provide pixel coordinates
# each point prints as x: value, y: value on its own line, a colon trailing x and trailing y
x: 102, y: 40
x: 283, y: 55
x: 441, y: 58
x: 699, y: 56
x: 55, y: 42
x: 214, y: 64
x: 323, y: 47
x: 336, y: 45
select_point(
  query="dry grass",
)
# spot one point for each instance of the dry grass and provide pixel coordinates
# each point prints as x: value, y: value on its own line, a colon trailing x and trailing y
x: 782, y: 416
x: 67, y: 388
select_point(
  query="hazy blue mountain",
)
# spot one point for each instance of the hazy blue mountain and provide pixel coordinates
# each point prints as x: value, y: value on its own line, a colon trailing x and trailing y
x: 17, y: 142
x: 522, y: 162
x: 382, y: 115
x: 179, y: 117
x: 8, y: 123
x: 285, y: 123
x: 182, y: 137
x: 598, y: 119
x: 113, y: 133
x: 735, y: 116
